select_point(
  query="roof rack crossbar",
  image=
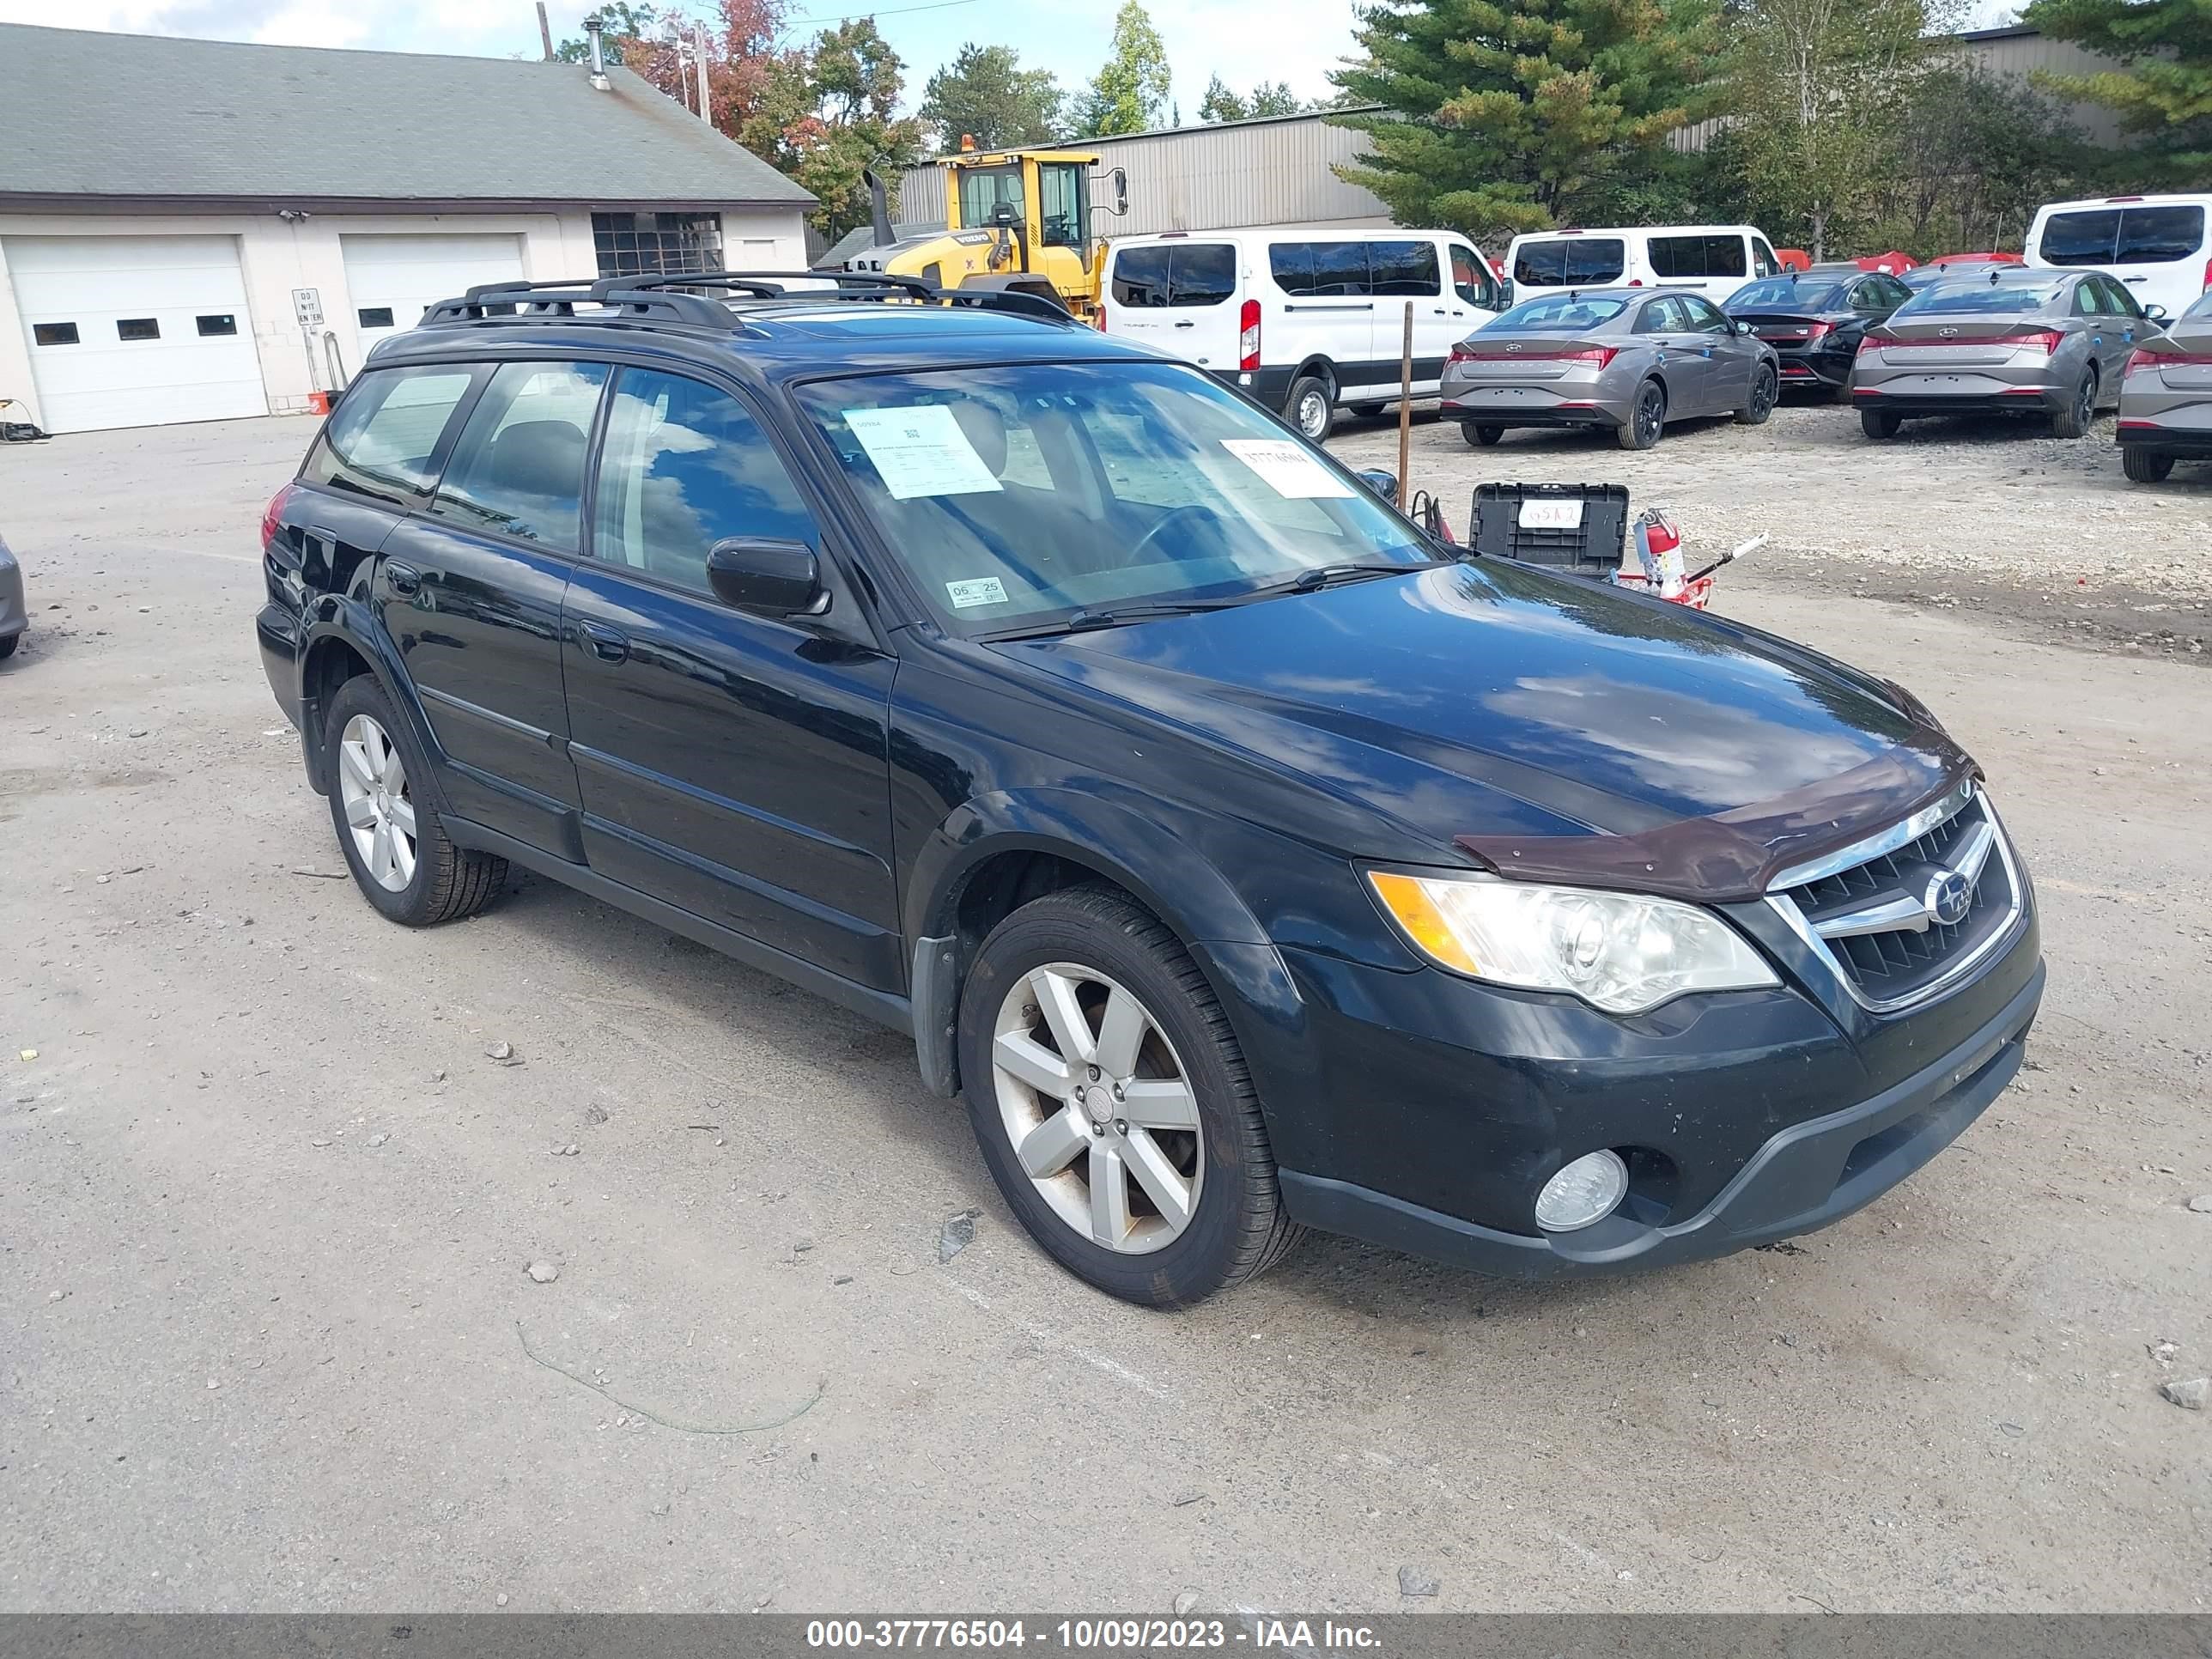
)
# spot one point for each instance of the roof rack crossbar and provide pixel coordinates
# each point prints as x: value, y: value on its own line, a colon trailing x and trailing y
x: 519, y: 301
x: 769, y: 284
x: 664, y: 294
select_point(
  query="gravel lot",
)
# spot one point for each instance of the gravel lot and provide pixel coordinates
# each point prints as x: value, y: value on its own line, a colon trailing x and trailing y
x: 1988, y: 514
x: 268, y: 1340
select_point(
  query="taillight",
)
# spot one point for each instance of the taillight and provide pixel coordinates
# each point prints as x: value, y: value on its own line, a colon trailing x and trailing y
x: 2140, y: 359
x: 2044, y: 340
x: 272, y: 516
x: 1600, y: 355
x: 2207, y: 275
x: 1458, y: 354
x: 1098, y: 321
x: 1248, y: 336
x: 1818, y: 331
x: 1869, y: 343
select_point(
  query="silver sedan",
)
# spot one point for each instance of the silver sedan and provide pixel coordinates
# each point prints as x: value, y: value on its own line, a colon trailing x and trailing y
x: 1622, y: 360
x: 15, y: 615
x: 2166, y: 400
x: 2015, y: 341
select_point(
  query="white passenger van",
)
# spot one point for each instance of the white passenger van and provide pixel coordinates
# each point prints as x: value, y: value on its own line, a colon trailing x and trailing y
x: 1307, y: 319
x: 2159, y: 246
x: 1714, y: 260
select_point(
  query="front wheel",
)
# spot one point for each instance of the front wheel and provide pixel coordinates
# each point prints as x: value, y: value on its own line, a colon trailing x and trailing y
x: 2146, y: 466
x: 1112, y: 1103
x: 392, y: 841
x: 1367, y: 411
x: 1481, y: 433
x: 1311, y: 407
x: 1647, y: 417
x: 7, y: 646
x: 2074, y: 421
x: 1765, y: 387
x: 1879, y: 422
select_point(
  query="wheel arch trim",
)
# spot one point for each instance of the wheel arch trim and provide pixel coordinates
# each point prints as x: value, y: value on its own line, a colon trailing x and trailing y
x: 344, y: 621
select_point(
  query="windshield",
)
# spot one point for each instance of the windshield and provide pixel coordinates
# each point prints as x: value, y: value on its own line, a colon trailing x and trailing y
x: 2202, y: 308
x: 1020, y: 496
x: 2001, y: 300
x: 1791, y: 297
x: 1565, y: 311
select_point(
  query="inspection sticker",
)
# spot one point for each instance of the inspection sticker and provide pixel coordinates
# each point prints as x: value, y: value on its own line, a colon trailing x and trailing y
x: 976, y: 590
x: 921, y: 451
x: 1286, y: 469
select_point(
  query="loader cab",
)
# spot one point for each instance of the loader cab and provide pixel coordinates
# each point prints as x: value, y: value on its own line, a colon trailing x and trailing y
x: 1038, y: 202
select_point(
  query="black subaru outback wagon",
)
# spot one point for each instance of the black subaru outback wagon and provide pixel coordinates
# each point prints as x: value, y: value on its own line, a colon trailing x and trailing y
x: 1245, y: 858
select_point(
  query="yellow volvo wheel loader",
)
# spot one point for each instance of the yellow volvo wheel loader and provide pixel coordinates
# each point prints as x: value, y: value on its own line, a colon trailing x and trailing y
x: 1020, y: 221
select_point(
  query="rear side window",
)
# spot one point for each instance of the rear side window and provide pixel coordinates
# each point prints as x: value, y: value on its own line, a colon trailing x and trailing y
x: 1177, y: 274
x: 1696, y: 256
x: 1577, y: 260
x: 1404, y: 268
x: 684, y: 465
x: 517, y: 468
x: 2160, y: 235
x: 382, y: 439
x: 1321, y: 270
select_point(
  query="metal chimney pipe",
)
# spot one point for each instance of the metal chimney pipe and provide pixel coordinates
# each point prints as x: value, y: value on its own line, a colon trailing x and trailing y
x: 592, y: 26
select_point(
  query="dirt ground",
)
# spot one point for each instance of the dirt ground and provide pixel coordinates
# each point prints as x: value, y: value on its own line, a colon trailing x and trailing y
x: 267, y: 1339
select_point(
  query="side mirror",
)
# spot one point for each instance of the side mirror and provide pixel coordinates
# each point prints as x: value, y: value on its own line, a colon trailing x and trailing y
x: 769, y: 577
x: 2155, y: 312
x: 1121, y: 177
x: 1739, y: 328
x: 1383, y: 483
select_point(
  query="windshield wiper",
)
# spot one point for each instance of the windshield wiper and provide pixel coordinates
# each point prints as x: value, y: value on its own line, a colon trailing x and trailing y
x: 1115, y: 616
x: 1327, y: 575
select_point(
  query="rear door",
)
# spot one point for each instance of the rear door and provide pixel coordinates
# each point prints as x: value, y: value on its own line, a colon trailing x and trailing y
x: 1729, y: 356
x: 732, y: 764
x: 1180, y: 297
x: 469, y: 590
x: 1327, y: 309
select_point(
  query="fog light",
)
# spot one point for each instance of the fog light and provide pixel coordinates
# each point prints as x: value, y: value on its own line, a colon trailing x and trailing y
x: 1584, y: 1193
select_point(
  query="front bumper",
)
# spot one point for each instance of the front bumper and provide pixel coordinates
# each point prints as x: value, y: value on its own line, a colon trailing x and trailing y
x: 1805, y: 1177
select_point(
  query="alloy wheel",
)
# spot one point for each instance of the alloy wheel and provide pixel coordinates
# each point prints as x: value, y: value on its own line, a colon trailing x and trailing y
x: 2086, y: 410
x: 1650, y: 404
x: 1764, y: 391
x: 379, y: 813
x: 1098, y: 1107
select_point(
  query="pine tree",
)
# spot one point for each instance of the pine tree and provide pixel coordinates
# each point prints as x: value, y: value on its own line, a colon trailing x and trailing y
x: 2163, y: 89
x: 1501, y: 115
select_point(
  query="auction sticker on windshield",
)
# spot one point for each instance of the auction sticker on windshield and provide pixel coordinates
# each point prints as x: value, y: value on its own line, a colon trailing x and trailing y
x: 921, y: 451
x: 1286, y: 469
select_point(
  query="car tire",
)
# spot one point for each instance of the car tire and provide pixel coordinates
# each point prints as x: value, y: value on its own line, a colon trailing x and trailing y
x: 2073, y: 420
x: 1481, y: 435
x: 7, y: 646
x: 1647, y: 417
x: 1366, y: 411
x: 1311, y: 407
x: 1880, y: 422
x: 2146, y: 466
x: 1765, y: 390
x: 418, y: 879
x: 1073, y: 1168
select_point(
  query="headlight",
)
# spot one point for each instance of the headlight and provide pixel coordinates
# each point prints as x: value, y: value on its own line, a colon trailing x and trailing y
x: 1617, y: 951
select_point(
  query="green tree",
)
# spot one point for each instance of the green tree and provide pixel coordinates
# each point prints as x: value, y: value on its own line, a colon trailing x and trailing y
x: 849, y: 79
x: 2162, y: 90
x: 1132, y: 86
x: 618, y: 24
x: 1974, y: 155
x: 1821, y: 88
x: 985, y: 94
x: 1506, y: 115
x: 1221, y: 103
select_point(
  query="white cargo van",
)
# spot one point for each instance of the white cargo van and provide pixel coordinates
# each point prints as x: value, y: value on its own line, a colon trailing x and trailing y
x: 1714, y: 260
x: 2159, y: 246
x: 1307, y: 319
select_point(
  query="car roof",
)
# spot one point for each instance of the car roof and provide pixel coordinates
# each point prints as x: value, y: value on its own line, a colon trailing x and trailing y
x: 1639, y: 230
x: 2186, y: 198
x: 792, y: 338
x: 1321, y: 231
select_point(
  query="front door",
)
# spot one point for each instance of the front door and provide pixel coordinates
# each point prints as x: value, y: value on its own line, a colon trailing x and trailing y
x: 1686, y: 363
x: 1728, y: 355
x: 469, y: 590
x: 732, y: 764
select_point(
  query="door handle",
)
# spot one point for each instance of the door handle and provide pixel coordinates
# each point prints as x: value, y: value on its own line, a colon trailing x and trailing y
x: 603, y: 642
x: 405, y: 579
x: 1186, y: 323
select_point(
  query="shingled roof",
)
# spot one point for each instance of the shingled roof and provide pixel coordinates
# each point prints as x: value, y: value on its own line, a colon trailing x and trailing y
x: 145, y: 120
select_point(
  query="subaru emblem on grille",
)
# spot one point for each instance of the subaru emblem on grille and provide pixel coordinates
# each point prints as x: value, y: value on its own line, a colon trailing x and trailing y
x: 1948, y: 897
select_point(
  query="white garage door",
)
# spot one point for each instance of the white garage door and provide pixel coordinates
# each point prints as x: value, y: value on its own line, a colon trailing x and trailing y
x: 136, y: 330
x: 393, y: 280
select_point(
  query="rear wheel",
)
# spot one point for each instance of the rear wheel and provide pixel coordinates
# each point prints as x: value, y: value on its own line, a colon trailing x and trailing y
x: 1481, y: 433
x: 7, y: 646
x: 1112, y: 1103
x: 1879, y: 422
x: 1647, y: 417
x: 2073, y: 420
x: 1311, y: 406
x: 1765, y: 387
x: 1366, y: 411
x: 2146, y: 466
x: 391, y: 835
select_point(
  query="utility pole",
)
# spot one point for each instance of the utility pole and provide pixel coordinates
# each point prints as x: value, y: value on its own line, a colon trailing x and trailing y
x: 706, y: 101
x: 544, y: 31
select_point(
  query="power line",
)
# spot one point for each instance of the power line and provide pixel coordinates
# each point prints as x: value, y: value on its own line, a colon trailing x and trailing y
x: 895, y: 11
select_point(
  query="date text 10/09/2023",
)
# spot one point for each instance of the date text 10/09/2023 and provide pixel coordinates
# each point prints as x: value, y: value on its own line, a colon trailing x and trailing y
x: 1091, y: 1635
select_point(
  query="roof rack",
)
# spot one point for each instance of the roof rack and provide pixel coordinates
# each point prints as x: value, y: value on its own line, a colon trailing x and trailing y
x: 672, y: 295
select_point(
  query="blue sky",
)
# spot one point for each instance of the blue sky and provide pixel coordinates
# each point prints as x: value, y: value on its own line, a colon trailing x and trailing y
x: 1293, y: 40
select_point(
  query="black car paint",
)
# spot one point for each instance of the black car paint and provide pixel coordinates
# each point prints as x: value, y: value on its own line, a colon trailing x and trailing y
x: 826, y: 799
x: 1823, y: 364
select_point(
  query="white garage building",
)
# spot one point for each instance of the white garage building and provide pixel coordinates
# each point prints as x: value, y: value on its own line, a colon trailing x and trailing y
x: 172, y: 211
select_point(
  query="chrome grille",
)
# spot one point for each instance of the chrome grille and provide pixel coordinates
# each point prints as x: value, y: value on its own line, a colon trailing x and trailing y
x: 1907, y: 913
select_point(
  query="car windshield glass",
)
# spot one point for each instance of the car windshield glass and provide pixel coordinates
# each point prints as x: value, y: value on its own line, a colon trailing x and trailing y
x: 2001, y: 300
x: 1018, y: 496
x: 1780, y: 292
x: 2202, y: 308
x: 1567, y: 310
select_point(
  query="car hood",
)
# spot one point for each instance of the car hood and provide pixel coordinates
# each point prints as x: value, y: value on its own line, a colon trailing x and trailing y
x: 1541, y: 725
